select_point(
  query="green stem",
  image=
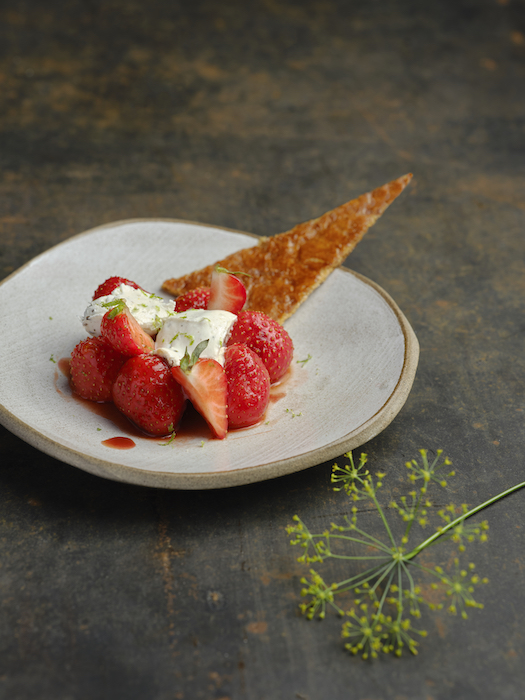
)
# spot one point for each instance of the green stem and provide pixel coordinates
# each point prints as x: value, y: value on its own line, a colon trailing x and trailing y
x: 379, y: 544
x: 437, y: 535
x: 385, y: 521
x: 426, y: 569
x: 359, y: 579
x: 411, y: 522
x: 389, y: 568
x: 376, y: 544
x: 409, y: 577
x: 399, y: 594
x: 385, y: 592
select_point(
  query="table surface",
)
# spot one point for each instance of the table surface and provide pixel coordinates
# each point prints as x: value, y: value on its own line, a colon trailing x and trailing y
x: 256, y: 116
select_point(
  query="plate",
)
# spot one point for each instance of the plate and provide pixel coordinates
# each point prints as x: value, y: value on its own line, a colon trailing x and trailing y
x: 355, y: 361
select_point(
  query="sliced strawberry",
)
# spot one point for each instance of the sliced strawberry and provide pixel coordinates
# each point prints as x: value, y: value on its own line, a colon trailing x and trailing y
x: 266, y: 338
x: 104, y: 289
x: 227, y: 292
x: 123, y: 332
x: 94, y: 367
x: 194, y: 299
x: 205, y: 384
x: 146, y: 393
x: 248, y: 386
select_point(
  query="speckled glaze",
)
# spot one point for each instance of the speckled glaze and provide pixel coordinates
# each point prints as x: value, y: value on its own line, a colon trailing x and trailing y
x: 363, y: 359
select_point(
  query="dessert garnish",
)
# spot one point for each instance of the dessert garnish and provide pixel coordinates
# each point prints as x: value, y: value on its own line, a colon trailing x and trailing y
x: 284, y: 269
x: 386, y: 591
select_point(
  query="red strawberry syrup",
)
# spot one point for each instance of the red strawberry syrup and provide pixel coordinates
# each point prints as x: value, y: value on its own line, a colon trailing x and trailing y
x: 193, y: 426
x: 119, y: 443
x: 277, y: 390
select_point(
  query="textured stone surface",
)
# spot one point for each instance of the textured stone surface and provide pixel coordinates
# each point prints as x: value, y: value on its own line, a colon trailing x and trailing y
x: 257, y: 116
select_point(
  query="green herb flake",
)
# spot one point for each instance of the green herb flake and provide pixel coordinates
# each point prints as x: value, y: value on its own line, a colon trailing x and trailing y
x: 157, y: 323
x: 170, y: 441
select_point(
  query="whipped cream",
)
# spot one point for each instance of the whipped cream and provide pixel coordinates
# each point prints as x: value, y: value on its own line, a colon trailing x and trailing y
x: 185, y: 330
x: 149, y: 310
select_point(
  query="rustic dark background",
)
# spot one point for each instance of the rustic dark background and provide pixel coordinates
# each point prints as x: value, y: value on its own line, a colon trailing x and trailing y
x: 258, y: 115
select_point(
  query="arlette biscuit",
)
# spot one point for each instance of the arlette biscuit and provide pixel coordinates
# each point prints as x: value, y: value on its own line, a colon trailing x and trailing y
x: 284, y: 269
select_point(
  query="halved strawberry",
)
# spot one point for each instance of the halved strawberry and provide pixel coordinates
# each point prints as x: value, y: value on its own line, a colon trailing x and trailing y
x: 146, y: 393
x: 111, y: 284
x: 123, y: 332
x: 266, y: 338
x: 248, y: 386
x: 94, y: 366
x: 227, y: 292
x: 204, y: 383
x: 194, y: 299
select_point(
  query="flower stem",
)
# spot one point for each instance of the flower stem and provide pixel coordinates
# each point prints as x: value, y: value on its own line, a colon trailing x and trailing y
x: 460, y: 519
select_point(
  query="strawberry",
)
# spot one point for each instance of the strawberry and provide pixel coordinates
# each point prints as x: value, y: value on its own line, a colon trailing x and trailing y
x: 266, y: 338
x: 204, y: 382
x: 123, y: 332
x: 94, y: 367
x: 248, y: 386
x: 194, y: 299
x: 146, y: 393
x: 227, y: 292
x: 112, y: 283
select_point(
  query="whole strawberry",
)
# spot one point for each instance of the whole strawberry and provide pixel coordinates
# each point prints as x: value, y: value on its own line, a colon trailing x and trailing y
x: 266, y: 338
x: 112, y: 283
x: 194, y: 299
x: 248, y: 386
x: 146, y: 393
x: 94, y: 367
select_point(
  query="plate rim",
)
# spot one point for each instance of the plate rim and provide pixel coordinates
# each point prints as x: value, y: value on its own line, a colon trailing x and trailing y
x: 242, y: 475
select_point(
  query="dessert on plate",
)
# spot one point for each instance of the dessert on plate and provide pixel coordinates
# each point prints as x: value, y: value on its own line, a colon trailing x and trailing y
x: 221, y: 344
x: 150, y: 356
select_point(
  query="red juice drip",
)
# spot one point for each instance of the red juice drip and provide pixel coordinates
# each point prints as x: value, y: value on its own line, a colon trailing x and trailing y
x: 119, y: 443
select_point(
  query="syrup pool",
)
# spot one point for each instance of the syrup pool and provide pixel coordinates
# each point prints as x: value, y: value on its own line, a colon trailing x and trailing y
x: 192, y: 427
x: 119, y: 443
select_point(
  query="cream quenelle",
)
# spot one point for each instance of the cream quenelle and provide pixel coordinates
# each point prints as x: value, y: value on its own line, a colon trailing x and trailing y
x: 185, y: 330
x: 149, y: 310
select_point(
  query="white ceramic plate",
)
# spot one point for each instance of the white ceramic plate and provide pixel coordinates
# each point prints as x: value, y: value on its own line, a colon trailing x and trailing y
x: 363, y: 361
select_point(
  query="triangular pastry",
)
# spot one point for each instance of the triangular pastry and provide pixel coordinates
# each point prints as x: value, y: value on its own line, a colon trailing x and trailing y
x: 284, y: 269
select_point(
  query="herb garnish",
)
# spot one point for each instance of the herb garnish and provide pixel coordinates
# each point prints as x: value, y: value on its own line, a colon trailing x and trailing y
x: 386, y: 594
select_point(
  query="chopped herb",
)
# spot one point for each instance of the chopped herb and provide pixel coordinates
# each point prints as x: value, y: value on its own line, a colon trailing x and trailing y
x: 186, y: 335
x: 170, y: 441
x: 116, y: 306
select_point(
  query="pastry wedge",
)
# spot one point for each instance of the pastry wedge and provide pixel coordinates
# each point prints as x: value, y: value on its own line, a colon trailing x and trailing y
x: 284, y: 269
